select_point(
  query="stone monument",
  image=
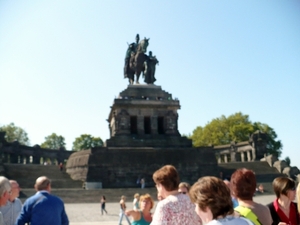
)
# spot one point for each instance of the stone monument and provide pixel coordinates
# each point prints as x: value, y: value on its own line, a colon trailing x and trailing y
x: 144, y: 135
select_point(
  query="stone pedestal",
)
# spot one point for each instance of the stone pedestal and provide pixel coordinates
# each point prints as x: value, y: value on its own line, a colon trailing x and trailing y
x: 144, y: 136
x: 145, y: 116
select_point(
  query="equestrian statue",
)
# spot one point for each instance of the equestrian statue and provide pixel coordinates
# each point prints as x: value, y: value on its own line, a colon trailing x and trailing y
x: 137, y: 62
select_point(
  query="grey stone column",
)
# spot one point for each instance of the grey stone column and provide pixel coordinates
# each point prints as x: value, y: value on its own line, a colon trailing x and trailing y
x: 248, y: 156
x: 225, y: 158
x: 242, y: 157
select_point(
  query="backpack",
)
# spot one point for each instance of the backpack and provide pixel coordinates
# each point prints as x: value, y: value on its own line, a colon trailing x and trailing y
x: 247, y: 213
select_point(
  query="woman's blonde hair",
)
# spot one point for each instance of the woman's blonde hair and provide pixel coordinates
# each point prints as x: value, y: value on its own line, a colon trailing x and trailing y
x: 147, y: 197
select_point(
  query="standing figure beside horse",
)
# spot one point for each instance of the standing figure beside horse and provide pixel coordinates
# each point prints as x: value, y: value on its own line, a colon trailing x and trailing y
x: 137, y: 62
x: 149, y: 72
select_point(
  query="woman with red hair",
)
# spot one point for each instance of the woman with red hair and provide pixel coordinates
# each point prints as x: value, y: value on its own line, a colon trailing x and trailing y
x: 243, y: 187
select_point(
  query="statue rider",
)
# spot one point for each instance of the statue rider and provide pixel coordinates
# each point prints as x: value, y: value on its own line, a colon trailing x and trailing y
x: 149, y: 71
x: 132, y: 48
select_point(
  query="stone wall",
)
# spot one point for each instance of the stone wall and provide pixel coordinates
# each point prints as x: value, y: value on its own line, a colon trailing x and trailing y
x: 14, y: 152
x: 121, y: 167
x: 282, y: 167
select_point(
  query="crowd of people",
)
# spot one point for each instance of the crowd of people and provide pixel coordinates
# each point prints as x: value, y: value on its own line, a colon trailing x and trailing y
x: 214, y: 201
x: 210, y: 200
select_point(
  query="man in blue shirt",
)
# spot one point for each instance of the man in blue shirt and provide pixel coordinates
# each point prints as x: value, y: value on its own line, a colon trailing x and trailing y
x: 43, y: 208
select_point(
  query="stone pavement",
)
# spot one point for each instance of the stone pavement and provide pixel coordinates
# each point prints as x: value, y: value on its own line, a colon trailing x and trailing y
x: 90, y: 213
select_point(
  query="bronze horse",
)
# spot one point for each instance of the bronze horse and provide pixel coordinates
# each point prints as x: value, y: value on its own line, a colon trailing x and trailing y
x: 137, y: 60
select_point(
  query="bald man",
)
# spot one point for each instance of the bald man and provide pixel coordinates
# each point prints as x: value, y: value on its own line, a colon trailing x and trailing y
x: 13, y: 207
x: 43, y: 208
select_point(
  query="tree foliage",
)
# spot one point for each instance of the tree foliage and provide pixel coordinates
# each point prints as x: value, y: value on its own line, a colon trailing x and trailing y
x: 54, y: 141
x: 223, y: 130
x: 15, y: 133
x: 86, y: 141
x: 236, y: 127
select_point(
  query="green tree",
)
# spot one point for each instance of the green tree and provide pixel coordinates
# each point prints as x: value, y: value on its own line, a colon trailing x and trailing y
x: 223, y: 130
x: 236, y: 127
x: 86, y: 141
x: 14, y: 133
x: 54, y: 141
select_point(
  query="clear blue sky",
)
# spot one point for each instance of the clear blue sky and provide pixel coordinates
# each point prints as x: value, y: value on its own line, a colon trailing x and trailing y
x: 61, y: 62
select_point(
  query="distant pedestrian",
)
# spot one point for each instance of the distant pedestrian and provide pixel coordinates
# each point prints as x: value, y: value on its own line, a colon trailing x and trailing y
x: 143, y: 183
x: 122, y: 210
x: 61, y: 167
x: 138, y: 181
x: 136, y: 199
x: 102, y: 203
x: 184, y: 188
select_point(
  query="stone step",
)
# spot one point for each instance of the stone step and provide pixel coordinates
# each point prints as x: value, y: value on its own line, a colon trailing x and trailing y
x: 264, y: 173
x: 260, y: 168
x: 27, y: 174
x: 112, y: 195
x: 70, y: 195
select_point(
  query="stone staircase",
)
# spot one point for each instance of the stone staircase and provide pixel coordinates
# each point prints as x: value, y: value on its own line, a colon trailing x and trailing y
x: 72, y: 192
x: 93, y: 196
x: 264, y: 173
x: 63, y: 186
x: 27, y: 174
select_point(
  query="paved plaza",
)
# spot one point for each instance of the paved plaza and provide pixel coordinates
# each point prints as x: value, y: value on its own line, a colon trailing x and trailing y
x: 90, y: 214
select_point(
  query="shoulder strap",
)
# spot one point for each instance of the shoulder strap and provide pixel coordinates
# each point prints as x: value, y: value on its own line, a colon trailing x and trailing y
x: 247, y: 213
x: 273, y: 212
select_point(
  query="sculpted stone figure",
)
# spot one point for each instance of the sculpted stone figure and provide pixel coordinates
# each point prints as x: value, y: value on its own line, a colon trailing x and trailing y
x: 132, y: 48
x: 149, y: 72
x: 135, y: 62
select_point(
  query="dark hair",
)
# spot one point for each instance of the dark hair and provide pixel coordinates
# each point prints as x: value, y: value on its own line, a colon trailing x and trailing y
x: 281, y: 185
x: 243, y: 184
x: 167, y: 176
x: 103, y: 197
x: 213, y: 193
